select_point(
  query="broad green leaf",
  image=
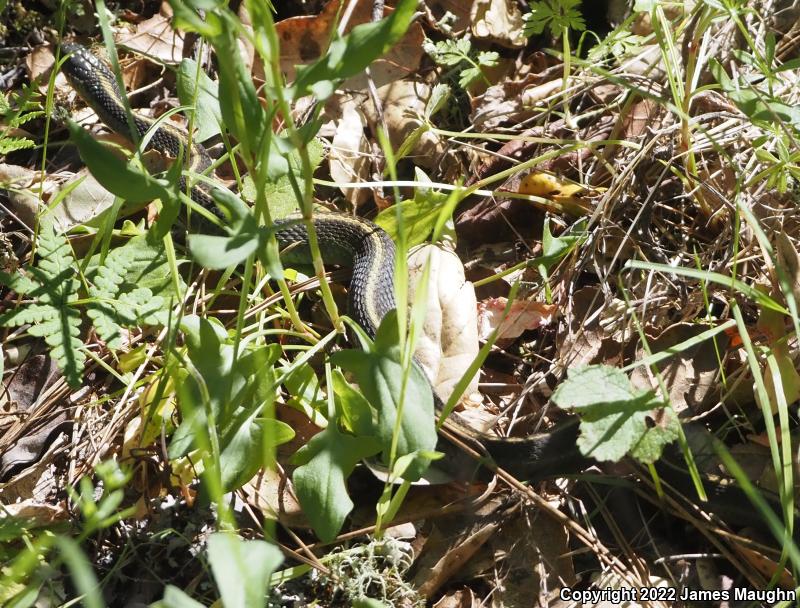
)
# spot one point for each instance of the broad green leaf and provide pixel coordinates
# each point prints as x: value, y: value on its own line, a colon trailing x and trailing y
x: 351, y: 54
x: 175, y: 598
x: 244, y: 239
x: 355, y: 411
x: 280, y: 195
x: 197, y: 89
x: 418, y: 217
x: 117, y: 176
x: 380, y: 375
x: 242, y: 568
x: 616, y: 418
x: 320, y: 482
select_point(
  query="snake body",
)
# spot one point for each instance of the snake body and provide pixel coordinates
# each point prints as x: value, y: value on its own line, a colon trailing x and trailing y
x: 344, y: 240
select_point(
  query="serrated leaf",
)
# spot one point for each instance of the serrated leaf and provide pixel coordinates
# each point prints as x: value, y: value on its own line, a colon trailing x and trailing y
x: 52, y: 317
x: 468, y: 76
x: 616, y: 418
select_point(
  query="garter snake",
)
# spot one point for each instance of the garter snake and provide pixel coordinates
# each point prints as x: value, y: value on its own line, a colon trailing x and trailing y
x: 344, y: 240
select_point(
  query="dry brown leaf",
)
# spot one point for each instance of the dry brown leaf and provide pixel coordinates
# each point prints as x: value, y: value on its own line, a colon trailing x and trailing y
x: 349, y: 156
x: 459, y: 9
x: 499, y: 21
x: 154, y: 37
x: 273, y: 494
x: 449, y: 341
x: 22, y: 186
x: 692, y: 375
x: 523, y: 315
x: 533, y: 548
x: 304, y: 39
x: 594, y: 331
x: 511, y: 101
x: 458, y: 553
x: 85, y: 202
x: 765, y: 565
x: 36, y: 513
x: 461, y: 598
x: 403, y: 106
x: 39, y: 64
x: 639, y: 118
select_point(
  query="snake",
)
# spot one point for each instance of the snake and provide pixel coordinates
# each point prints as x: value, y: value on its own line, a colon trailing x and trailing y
x: 356, y: 242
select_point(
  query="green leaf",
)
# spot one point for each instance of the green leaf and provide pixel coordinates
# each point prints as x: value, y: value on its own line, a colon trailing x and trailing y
x: 488, y: 59
x: 369, y: 602
x: 418, y: 217
x: 245, y: 236
x: 351, y: 54
x: 279, y: 194
x: 238, y: 393
x: 197, y: 89
x: 468, y: 76
x: 241, y: 109
x: 115, y: 175
x: 327, y: 461
x: 448, y: 53
x: 558, y: 15
x: 175, y: 598
x: 356, y: 414
x: 616, y: 418
x: 81, y: 572
x: 379, y: 374
x: 554, y: 249
x: 53, y: 286
x: 119, y: 302
x: 242, y: 568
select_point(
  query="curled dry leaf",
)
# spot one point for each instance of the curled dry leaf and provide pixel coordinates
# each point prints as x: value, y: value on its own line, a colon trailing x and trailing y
x: 449, y: 341
x: 512, y: 101
x: 522, y: 316
x: 21, y: 186
x: 499, y: 21
x: 403, y: 106
x: 349, y: 156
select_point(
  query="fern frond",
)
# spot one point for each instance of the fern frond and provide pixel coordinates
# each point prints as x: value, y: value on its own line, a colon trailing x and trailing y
x: 52, y: 315
x: 118, y: 304
x: 18, y: 282
x: 12, y: 144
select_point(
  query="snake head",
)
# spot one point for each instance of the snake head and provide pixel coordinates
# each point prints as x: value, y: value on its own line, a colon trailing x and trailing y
x: 86, y: 73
